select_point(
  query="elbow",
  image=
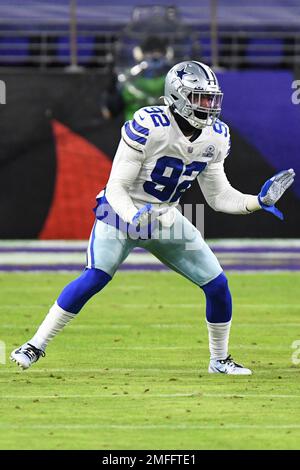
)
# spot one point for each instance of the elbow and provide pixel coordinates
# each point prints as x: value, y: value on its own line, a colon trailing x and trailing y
x: 220, y: 204
x: 215, y: 204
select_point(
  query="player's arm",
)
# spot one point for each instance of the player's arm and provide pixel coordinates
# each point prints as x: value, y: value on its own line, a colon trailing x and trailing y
x: 221, y: 196
x: 217, y: 190
x: 126, y: 167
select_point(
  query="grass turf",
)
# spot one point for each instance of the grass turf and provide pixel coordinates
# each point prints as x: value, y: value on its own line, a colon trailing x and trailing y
x: 131, y: 371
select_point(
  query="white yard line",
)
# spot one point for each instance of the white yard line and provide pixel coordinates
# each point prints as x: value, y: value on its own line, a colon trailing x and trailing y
x: 66, y: 258
x: 181, y: 348
x: 137, y: 270
x: 255, y: 258
x: 141, y: 258
x: 186, y: 348
x: 148, y: 395
x: 102, y: 370
x: 159, y: 304
x: 135, y: 427
x: 142, y: 371
x: 267, y: 242
x: 179, y: 326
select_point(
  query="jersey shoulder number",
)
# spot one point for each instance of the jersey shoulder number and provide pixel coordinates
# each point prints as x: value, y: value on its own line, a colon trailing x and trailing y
x: 146, y: 122
x: 222, y: 138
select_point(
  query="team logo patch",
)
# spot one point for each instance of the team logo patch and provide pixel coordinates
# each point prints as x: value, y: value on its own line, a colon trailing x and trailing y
x: 190, y: 149
x: 181, y: 73
x: 209, y: 152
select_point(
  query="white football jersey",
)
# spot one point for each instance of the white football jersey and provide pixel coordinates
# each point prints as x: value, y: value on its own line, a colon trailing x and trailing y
x: 170, y: 161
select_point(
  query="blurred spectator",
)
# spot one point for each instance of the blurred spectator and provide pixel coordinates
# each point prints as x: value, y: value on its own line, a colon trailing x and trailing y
x: 163, y: 22
x: 140, y: 85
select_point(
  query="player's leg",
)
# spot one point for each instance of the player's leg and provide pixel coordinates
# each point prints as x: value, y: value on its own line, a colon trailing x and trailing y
x: 107, y: 249
x: 185, y: 251
x: 218, y: 319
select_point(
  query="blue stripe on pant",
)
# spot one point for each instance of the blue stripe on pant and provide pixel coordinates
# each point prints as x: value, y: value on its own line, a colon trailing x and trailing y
x: 90, y: 250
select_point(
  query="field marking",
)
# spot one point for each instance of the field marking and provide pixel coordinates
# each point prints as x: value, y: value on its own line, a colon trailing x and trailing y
x: 78, y: 258
x: 134, y: 271
x: 200, y: 347
x: 195, y: 322
x: 149, y: 395
x: 79, y: 327
x: 104, y: 370
x: 182, y: 348
x: 282, y: 242
x: 201, y: 305
x: 108, y: 370
x: 135, y: 427
x: 158, y: 305
x: 124, y: 370
x: 162, y: 326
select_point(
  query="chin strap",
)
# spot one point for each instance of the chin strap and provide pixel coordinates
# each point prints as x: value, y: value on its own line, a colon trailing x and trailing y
x: 183, y: 123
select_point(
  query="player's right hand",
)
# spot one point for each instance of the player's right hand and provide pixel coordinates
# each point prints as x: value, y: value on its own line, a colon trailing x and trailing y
x: 142, y: 217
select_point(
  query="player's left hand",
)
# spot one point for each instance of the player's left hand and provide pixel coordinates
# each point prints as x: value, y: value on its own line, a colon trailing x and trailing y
x: 273, y: 189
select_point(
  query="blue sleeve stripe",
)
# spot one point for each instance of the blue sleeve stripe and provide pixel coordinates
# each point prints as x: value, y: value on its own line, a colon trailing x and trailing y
x: 137, y: 127
x: 133, y: 136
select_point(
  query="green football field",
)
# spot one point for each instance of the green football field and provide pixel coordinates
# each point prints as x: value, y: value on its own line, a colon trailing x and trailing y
x: 131, y: 371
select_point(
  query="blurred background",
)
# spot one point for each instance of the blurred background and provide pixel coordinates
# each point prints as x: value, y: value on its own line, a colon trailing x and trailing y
x: 74, y: 70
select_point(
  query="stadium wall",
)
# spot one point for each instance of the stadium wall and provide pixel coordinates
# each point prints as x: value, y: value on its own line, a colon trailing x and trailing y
x: 56, y: 153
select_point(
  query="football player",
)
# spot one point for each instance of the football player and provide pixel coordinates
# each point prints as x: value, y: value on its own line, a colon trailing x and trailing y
x: 162, y: 150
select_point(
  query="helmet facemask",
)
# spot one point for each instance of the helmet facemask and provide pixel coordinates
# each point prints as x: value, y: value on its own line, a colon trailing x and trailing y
x: 202, y: 108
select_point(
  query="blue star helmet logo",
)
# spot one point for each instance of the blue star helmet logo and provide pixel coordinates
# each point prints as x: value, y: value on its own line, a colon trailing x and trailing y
x: 181, y: 73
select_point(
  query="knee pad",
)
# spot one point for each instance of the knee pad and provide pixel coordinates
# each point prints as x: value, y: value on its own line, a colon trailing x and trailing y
x: 217, y: 286
x: 218, y: 300
x: 94, y: 279
x: 79, y: 291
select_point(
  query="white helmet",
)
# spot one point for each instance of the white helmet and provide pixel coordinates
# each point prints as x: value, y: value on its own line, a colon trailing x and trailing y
x: 192, y: 89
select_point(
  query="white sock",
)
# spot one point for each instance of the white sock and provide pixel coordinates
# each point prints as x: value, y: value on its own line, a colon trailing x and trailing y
x: 218, y: 335
x: 54, y: 322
